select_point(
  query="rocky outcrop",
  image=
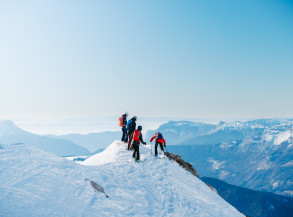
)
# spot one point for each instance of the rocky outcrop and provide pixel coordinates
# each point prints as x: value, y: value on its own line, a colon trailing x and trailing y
x: 182, y: 163
x: 186, y: 166
x: 97, y: 187
x: 214, y: 189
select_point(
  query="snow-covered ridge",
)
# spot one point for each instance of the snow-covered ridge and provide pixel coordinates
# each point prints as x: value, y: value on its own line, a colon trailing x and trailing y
x: 261, y: 123
x: 41, y: 184
x: 8, y: 127
x: 109, y: 155
x: 10, y: 134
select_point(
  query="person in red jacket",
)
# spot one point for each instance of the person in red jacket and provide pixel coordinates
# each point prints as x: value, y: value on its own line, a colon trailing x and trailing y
x: 137, y: 138
x: 159, y: 140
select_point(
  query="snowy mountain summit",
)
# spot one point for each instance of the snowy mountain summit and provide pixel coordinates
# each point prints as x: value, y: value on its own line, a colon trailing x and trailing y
x: 37, y: 183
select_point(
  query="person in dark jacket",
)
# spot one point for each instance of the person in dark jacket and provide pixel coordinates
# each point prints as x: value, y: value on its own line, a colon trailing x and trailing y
x: 122, y: 123
x: 159, y: 141
x: 137, y: 138
x: 131, y: 126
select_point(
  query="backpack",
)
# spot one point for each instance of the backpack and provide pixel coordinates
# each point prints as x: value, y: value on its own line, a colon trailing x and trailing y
x: 136, y: 135
x: 129, y: 124
x: 159, y: 136
x: 121, y: 122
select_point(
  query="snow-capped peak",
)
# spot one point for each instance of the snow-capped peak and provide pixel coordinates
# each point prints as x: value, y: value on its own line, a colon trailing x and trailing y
x: 8, y: 127
x: 8, y: 124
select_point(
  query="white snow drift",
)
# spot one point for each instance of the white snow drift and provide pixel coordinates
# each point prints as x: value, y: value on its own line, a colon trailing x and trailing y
x: 36, y: 183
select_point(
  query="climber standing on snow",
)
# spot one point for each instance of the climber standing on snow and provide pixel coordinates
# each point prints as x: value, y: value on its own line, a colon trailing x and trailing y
x: 159, y: 140
x: 137, y: 138
x: 131, y: 126
x: 122, y: 123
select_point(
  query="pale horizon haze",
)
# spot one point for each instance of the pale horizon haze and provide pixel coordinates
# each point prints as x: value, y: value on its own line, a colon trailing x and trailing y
x: 194, y: 59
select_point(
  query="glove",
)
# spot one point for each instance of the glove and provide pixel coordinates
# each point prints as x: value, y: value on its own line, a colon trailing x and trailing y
x: 164, y: 145
x: 144, y: 143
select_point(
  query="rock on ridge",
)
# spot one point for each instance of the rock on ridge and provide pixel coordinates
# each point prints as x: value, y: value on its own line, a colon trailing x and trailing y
x: 182, y: 163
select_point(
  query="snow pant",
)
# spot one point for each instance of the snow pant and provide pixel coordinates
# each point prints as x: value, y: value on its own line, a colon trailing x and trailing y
x: 156, y: 147
x: 130, y: 134
x: 135, y: 145
x: 124, y: 134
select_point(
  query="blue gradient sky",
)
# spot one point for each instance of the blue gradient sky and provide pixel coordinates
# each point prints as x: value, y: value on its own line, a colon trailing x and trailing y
x: 201, y: 59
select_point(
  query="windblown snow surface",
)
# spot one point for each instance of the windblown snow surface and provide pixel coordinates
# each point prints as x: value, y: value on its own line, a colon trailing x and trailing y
x: 37, y: 183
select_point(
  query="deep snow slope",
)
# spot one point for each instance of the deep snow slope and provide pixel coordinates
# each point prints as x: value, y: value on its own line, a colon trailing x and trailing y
x: 36, y: 183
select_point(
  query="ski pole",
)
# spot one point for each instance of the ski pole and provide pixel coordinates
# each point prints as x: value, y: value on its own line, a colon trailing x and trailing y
x: 151, y: 148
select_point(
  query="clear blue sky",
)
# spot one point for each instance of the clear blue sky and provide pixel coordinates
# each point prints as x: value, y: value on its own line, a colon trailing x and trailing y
x: 65, y: 59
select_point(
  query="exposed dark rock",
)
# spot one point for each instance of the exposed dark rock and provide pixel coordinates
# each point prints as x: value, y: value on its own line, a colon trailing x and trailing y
x: 182, y: 163
x: 214, y: 189
x: 97, y: 187
x: 79, y: 159
x: 187, y: 166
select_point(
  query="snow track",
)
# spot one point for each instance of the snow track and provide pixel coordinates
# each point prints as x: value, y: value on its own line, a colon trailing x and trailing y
x: 41, y: 184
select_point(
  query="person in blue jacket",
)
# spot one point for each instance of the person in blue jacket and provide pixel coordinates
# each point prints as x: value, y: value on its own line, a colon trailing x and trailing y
x: 131, y: 126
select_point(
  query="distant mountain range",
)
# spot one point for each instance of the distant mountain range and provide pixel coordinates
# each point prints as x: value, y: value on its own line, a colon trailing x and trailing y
x: 10, y: 134
x: 64, y: 145
x: 254, y: 154
x: 176, y: 132
x: 253, y: 203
